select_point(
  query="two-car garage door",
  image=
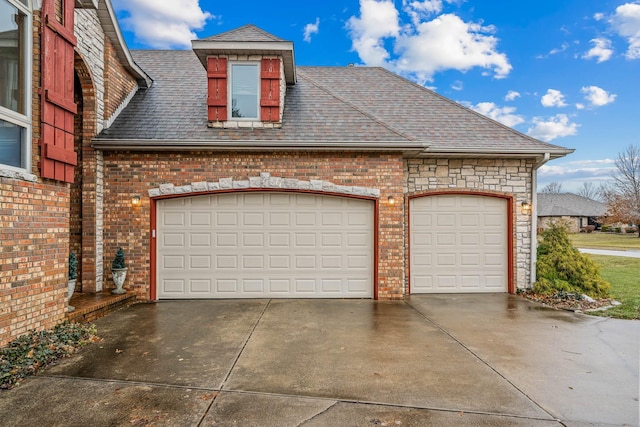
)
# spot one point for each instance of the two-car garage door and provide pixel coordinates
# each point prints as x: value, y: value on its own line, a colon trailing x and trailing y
x: 264, y: 245
x: 459, y: 243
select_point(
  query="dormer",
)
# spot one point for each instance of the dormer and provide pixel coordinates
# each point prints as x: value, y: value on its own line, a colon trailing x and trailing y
x: 248, y: 71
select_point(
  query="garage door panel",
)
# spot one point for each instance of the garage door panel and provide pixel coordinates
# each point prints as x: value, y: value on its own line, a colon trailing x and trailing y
x: 305, y: 240
x: 458, y: 244
x: 173, y: 239
x: 173, y: 219
x: 255, y: 240
x: 226, y: 219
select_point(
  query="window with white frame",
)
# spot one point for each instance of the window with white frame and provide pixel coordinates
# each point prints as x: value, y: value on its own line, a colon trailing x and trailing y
x: 15, y: 78
x: 245, y: 91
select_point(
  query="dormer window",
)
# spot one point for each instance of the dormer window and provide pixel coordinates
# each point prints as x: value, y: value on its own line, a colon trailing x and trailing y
x: 248, y: 71
x: 245, y: 93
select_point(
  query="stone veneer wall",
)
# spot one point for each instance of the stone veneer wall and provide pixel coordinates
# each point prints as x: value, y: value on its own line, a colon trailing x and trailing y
x: 91, y: 41
x: 130, y: 173
x: 503, y: 176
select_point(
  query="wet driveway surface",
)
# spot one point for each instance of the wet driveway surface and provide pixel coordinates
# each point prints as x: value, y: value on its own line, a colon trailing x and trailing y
x: 495, y: 360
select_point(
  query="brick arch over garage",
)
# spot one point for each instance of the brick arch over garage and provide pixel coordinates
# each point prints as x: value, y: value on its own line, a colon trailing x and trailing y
x: 85, y: 196
x: 267, y: 186
x: 509, y: 227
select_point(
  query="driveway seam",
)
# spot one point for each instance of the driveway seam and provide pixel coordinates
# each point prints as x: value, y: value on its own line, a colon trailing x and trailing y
x: 477, y: 356
x: 244, y: 345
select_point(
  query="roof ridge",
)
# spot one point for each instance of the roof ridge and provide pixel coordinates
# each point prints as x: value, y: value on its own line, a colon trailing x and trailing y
x: 251, y: 27
x: 482, y: 116
x: 358, y: 109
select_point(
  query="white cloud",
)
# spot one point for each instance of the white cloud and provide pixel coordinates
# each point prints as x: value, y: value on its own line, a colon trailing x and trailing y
x: 457, y: 85
x: 601, y: 50
x: 512, y: 95
x: 597, y: 97
x: 626, y: 22
x: 378, y: 20
x: 310, y: 29
x: 553, y: 98
x: 504, y: 115
x: 598, y: 16
x: 423, y: 47
x: 555, y: 127
x: 447, y: 42
x: 163, y: 24
x: 579, y: 106
x: 573, y: 173
x: 419, y: 10
x: 557, y: 50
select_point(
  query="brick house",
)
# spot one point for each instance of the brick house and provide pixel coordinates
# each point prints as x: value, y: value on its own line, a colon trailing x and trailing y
x: 255, y: 178
x: 65, y: 73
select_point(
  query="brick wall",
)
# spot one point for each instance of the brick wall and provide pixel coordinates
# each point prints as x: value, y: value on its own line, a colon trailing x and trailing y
x: 119, y: 85
x: 34, y: 231
x: 129, y: 174
x: 503, y: 176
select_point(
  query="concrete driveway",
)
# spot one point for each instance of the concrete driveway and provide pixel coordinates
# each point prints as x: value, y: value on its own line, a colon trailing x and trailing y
x: 470, y: 360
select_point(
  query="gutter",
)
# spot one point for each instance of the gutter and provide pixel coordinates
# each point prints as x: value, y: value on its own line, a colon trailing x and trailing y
x: 171, y: 145
x: 534, y: 214
x: 107, y: 18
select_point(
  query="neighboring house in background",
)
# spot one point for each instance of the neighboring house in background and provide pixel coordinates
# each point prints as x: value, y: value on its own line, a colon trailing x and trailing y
x: 576, y: 211
x: 257, y: 178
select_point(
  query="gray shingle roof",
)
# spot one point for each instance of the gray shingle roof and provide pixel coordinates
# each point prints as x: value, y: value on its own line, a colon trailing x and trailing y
x: 568, y: 204
x: 332, y: 104
x: 247, y: 33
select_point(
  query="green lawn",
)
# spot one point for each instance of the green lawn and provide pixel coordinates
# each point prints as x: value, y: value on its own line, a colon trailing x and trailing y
x: 605, y: 241
x: 623, y: 274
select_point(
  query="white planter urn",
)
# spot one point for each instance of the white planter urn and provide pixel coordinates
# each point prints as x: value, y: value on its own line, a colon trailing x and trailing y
x: 119, y: 274
x: 72, y: 287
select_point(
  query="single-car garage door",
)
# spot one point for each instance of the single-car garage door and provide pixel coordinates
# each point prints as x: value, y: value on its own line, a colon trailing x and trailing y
x: 458, y: 244
x: 264, y: 245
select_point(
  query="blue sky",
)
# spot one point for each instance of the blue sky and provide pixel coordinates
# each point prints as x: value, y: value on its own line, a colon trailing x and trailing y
x: 562, y: 71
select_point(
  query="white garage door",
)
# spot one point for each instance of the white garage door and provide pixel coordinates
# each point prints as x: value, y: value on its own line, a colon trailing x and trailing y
x: 458, y: 244
x: 264, y: 245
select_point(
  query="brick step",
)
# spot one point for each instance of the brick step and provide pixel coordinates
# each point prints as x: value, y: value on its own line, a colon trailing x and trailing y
x: 89, y: 307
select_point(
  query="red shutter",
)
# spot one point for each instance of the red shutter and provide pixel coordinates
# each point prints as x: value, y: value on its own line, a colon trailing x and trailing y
x: 270, y: 90
x: 217, y: 96
x: 58, y: 107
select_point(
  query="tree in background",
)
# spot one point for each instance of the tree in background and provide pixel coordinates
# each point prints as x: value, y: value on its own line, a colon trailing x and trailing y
x: 590, y: 191
x: 554, y: 187
x: 622, y: 197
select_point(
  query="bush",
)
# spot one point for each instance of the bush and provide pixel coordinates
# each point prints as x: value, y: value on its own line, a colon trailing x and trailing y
x: 25, y: 355
x: 618, y: 229
x: 561, y: 267
x: 605, y: 228
x: 631, y: 230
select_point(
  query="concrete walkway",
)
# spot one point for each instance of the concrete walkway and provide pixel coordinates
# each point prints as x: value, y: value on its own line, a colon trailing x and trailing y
x: 433, y: 360
x: 628, y: 254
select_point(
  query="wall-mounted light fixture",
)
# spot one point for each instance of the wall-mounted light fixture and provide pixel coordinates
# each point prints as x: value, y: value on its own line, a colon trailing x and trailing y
x: 526, y: 208
x: 136, y: 201
x: 391, y: 200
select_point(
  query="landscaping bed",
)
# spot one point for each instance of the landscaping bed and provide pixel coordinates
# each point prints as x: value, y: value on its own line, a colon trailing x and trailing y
x: 31, y: 352
x: 571, y: 302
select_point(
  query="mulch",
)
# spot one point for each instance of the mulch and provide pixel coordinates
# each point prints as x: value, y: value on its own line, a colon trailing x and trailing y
x: 570, y: 302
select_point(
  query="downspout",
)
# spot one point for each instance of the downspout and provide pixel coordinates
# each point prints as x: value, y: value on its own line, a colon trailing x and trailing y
x: 534, y: 214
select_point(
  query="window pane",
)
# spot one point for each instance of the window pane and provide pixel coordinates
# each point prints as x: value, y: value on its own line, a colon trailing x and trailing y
x: 244, y: 91
x: 10, y: 144
x: 12, y: 29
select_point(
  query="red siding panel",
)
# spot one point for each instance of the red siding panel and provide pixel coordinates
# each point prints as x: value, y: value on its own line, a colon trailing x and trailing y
x: 58, y: 107
x: 217, y: 89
